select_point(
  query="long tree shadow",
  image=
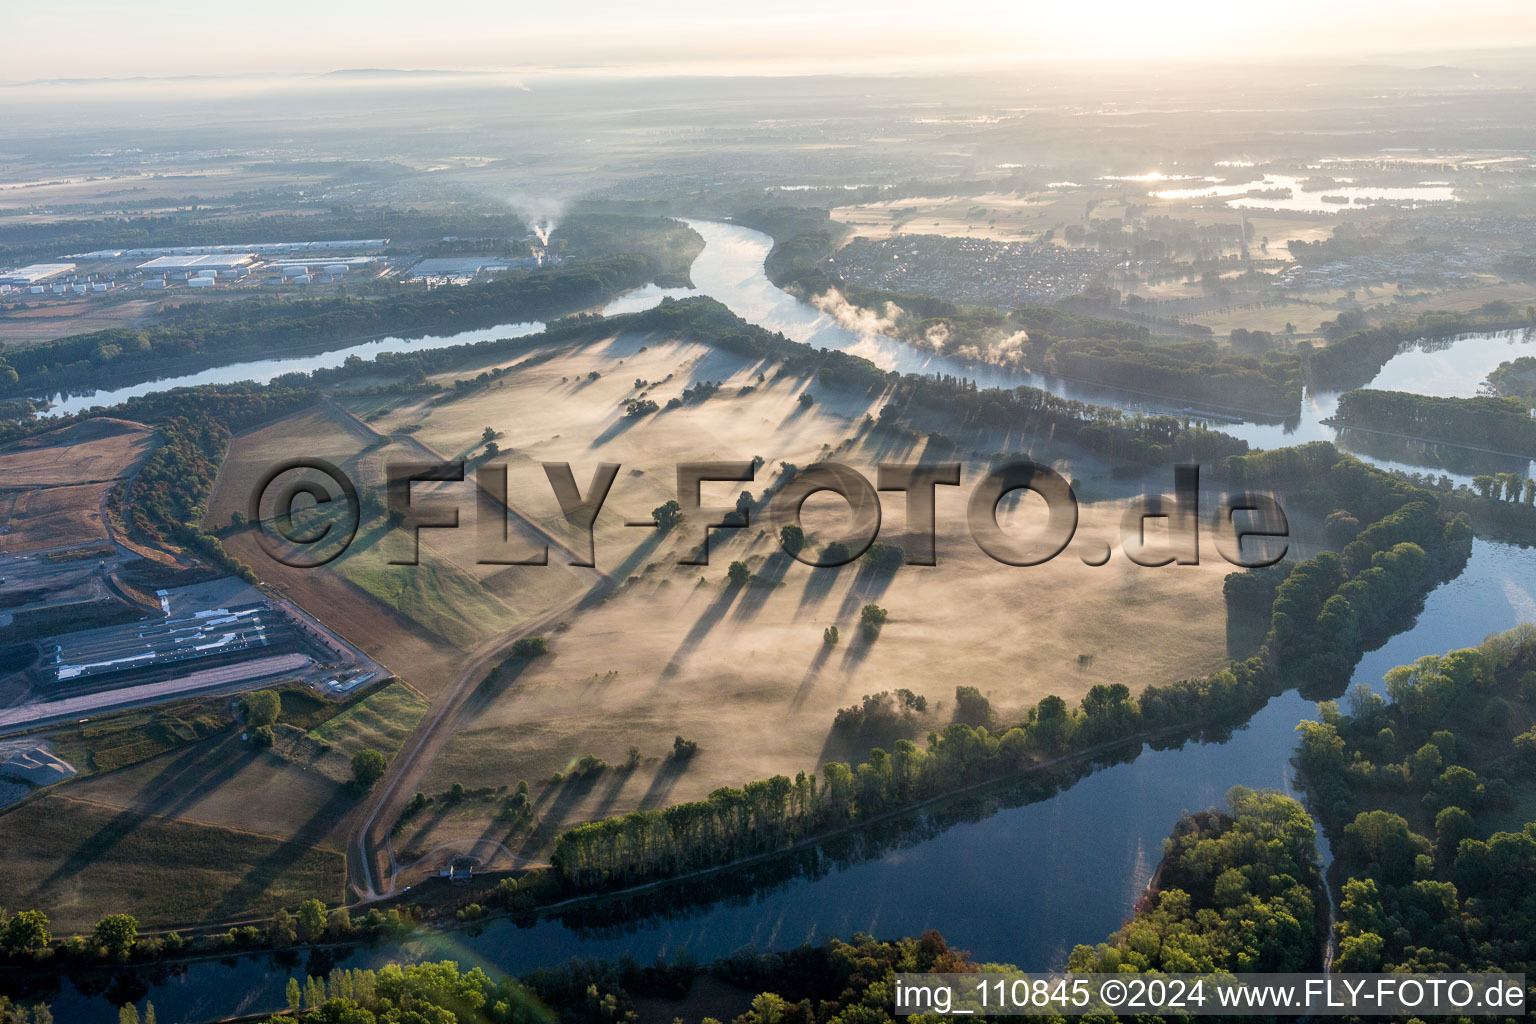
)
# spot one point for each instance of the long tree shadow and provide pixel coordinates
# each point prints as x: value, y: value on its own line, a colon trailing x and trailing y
x: 617, y: 427
x: 240, y: 898
x: 817, y: 586
x: 803, y: 693
x: 553, y: 817
x: 610, y: 795
x: 763, y: 584
x: 492, y: 687
x: 857, y: 650
x: 642, y: 551
x: 661, y: 785
x: 869, y: 584
x: 700, y: 629
x: 189, y: 778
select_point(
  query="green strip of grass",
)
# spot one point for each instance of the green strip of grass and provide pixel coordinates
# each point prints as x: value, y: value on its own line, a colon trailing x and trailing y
x: 382, y: 721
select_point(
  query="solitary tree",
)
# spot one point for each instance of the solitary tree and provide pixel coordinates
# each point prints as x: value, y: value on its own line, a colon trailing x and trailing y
x: 368, y: 767
x: 792, y: 537
x: 280, y: 928
x: 116, y: 933
x: 27, y: 931
x: 261, y: 708
x: 738, y: 573
x: 488, y: 435
x: 872, y: 617
x: 829, y: 636
x: 311, y: 919
x: 529, y: 647
x: 668, y: 515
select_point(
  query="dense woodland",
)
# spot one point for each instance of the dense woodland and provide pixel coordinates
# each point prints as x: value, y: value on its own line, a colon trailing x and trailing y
x: 1200, y: 371
x: 1239, y: 891
x: 1426, y: 798
x: 1501, y: 424
x: 1516, y: 378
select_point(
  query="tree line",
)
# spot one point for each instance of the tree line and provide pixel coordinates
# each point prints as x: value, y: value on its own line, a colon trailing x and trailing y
x: 1418, y: 794
x: 208, y: 332
x: 1352, y: 359
x: 1199, y: 371
x: 1504, y: 424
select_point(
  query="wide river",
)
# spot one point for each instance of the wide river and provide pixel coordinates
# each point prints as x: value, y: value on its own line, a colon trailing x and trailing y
x: 1022, y: 885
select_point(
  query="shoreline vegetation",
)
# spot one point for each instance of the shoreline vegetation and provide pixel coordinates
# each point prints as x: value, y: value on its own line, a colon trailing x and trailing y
x: 198, y: 335
x: 1425, y: 797
x: 1493, y: 424
x: 1260, y: 374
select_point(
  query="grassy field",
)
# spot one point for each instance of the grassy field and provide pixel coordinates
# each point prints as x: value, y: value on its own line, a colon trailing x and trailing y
x: 233, y: 783
x: 381, y: 721
x: 675, y: 650
x: 80, y: 860
x: 416, y: 620
x: 437, y: 595
x: 57, y: 319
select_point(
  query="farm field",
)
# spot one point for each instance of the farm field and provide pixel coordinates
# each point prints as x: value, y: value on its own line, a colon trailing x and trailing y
x: 52, y: 485
x: 55, y: 319
x: 225, y: 781
x: 82, y: 859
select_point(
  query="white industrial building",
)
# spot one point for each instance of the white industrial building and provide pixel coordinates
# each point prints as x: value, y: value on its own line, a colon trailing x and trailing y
x: 469, y: 266
x: 191, y: 265
x: 35, y: 273
x: 263, y: 248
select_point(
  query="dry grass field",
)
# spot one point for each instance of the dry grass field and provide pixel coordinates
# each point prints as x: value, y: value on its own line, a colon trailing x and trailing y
x: 52, y: 485
x: 82, y: 860
x: 743, y: 670
x: 224, y: 781
x: 57, y: 319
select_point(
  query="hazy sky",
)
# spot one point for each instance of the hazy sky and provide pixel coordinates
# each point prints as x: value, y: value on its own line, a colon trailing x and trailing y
x: 90, y: 38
